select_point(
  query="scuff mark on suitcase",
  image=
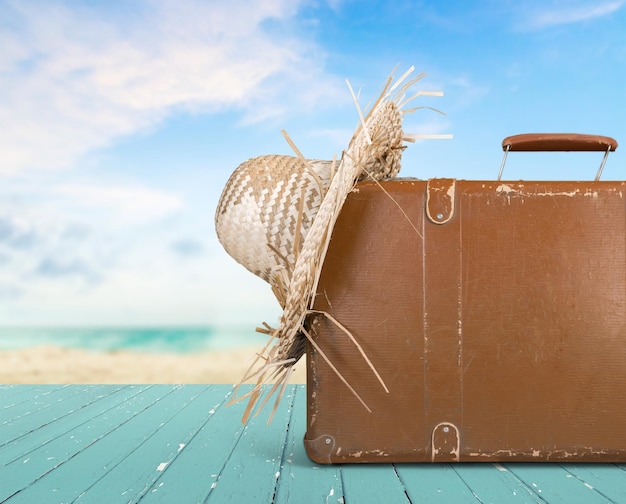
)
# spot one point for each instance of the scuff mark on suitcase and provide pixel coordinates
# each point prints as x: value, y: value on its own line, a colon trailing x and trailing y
x: 360, y: 453
x: 469, y: 362
x: 505, y: 189
x: 588, y: 193
x: 498, y: 454
x: 539, y: 454
x: 508, y: 190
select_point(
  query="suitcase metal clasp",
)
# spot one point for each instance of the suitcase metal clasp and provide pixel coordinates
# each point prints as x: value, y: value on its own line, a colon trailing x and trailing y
x: 440, y: 199
x: 446, y: 443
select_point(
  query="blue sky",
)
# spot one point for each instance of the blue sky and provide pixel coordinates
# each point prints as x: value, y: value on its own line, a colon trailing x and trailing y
x: 121, y: 122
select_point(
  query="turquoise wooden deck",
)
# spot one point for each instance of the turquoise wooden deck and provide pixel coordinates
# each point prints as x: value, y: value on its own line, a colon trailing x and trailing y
x: 180, y: 444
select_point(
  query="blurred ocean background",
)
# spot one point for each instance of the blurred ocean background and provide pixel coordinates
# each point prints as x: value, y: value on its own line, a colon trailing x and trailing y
x: 140, y: 339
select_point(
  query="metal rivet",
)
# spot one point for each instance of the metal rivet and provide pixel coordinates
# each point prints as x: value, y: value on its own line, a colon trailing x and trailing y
x: 327, y: 441
x: 439, y: 216
x: 446, y: 429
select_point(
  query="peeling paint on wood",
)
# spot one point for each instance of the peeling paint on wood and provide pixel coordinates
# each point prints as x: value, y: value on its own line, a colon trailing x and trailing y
x: 103, y: 443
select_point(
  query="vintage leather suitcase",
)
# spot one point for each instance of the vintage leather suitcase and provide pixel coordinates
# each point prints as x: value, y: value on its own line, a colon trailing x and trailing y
x: 494, y: 312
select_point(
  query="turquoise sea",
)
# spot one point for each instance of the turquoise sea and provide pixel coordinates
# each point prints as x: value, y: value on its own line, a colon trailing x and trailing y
x: 142, y: 339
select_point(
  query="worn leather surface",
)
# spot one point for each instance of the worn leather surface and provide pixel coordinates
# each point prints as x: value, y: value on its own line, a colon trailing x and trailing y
x: 500, y: 333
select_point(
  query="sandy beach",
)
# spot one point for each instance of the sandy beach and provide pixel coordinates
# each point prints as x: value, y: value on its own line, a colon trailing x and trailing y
x: 50, y: 364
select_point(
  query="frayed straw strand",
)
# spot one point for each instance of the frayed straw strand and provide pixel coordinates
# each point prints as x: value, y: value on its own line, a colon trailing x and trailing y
x: 411, y: 83
x: 296, y: 239
x: 382, y: 95
x: 411, y: 110
x: 266, y: 329
x: 304, y: 160
x: 256, y: 392
x: 356, y: 344
x: 360, y: 112
x: 401, y: 79
x: 337, y: 372
x: 248, y: 375
x: 333, y: 167
x: 270, y: 366
x: 404, y: 103
x: 280, y: 255
x: 406, y: 216
x: 283, y: 382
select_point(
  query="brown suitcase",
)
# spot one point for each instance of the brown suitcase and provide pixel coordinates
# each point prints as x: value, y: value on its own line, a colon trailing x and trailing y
x: 494, y: 312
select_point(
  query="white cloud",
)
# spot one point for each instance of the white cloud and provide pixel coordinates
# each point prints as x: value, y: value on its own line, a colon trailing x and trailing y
x: 75, y: 79
x: 141, y: 286
x: 571, y: 13
x: 75, y: 253
x: 127, y: 205
x: 72, y: 237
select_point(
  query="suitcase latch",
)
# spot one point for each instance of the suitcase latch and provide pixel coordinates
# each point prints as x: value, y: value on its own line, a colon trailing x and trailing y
x: 440, y: 199
x: 446, y: 443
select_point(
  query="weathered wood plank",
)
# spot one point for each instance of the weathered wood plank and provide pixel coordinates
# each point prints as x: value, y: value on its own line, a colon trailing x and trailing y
x: 301, y: 480
x: 15, y: 394
x: 556, y: 485
x: 25, y: 439
x: 375, y: 483
x: 495, y: 483
x: 162, y: 444
x: 63, y: 410
x: 195, y: 470
x: 254, y: 467
x: 138, y: 473
x: 607, y: 479
x: 440, y: 483
x: 62, y: 467
x: 42, y: 398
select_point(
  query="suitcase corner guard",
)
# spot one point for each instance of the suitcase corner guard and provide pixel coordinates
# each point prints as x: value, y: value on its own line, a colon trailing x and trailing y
x: 320, y: 449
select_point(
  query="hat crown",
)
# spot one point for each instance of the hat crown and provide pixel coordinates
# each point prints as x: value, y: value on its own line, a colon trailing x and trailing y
x: 266, y: 210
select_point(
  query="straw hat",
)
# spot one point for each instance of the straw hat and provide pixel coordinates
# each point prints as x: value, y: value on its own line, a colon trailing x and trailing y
x: 265, y: 212
x: 276, y: 216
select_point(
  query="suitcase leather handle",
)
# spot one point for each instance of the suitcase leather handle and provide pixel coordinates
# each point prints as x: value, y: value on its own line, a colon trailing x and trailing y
x: 535, y: 142
x: 558, y: 142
